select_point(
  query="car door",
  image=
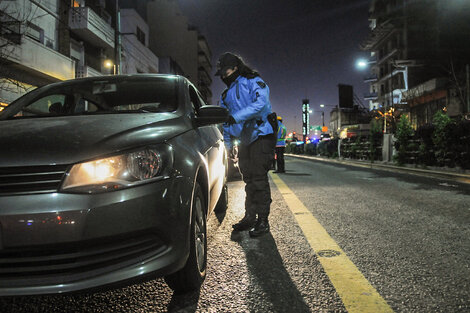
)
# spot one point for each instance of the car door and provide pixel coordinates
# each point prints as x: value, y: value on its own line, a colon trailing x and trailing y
x: 215, y: 153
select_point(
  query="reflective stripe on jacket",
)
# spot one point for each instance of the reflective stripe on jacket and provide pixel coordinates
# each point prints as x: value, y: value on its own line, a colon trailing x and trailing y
x: 247, y: 100
x: 281, y: 135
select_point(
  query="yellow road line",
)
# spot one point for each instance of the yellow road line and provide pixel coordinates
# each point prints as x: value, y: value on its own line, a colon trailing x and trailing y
x: 355, y: 291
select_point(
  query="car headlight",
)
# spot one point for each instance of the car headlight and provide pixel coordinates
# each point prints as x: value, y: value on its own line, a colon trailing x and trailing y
x: 120, y: 171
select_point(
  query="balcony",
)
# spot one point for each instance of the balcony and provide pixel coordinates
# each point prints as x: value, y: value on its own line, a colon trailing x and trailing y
x: 370, y: 96
x: 86, y: 71
x: 40, y: 61
x: 388, y: 56
x: 91, y: 27
x: 204, y: 76
x: 371, y: 78
x: 203, y: 60
x: 377, y: 35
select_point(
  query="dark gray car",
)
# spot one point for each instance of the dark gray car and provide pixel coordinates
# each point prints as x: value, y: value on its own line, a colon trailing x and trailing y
x: 106, y: 180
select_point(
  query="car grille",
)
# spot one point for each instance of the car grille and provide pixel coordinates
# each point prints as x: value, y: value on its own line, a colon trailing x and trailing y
x: 31, y: 179
x: 68, y: 262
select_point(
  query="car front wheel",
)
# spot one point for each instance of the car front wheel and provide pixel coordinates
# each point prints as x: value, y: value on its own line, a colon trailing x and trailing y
x: 192, y: 275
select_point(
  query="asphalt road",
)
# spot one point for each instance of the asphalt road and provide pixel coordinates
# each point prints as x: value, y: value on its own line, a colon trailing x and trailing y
x: 409, y: 236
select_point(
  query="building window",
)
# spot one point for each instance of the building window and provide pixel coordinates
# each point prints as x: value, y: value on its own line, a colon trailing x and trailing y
x: 140, y: 35
x: 75, y: 4
x: 35, y: 32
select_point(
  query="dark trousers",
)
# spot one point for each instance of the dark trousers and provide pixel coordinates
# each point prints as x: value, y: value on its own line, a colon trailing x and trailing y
x: 280, y: 159
x: 255, y: 161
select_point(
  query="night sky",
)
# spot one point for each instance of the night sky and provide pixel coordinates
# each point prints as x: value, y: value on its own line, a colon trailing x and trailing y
x: 302, y: 48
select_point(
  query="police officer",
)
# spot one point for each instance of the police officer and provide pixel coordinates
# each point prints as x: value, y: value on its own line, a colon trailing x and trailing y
x: 280, y: 145
x: 251, y: 120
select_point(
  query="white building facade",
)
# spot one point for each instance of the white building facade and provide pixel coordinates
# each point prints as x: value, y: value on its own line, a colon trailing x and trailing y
x: 29, y: 48
x: 137, y: 57
x: 53, y: 40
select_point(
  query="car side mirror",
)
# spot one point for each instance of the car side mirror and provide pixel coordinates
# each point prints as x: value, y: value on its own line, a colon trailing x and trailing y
x: 211, y: 114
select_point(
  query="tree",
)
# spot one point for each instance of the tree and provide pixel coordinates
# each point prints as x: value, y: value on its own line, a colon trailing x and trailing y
x: 403, y: 134
x: 375, y: 136
x: 440, y: 136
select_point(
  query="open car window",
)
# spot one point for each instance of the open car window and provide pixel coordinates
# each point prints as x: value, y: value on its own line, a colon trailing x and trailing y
x: 143, y: 95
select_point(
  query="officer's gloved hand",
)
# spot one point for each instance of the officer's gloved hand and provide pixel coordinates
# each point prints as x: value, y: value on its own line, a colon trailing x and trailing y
x: 231, y: 120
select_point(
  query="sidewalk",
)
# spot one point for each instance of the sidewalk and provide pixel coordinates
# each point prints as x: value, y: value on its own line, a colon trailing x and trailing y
x: 447, y: 174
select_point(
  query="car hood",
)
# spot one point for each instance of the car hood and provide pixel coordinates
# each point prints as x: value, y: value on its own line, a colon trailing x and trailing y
x: 72, y: 139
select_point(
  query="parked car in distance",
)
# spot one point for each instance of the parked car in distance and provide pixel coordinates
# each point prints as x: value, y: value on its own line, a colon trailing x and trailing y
x: 108, y: 180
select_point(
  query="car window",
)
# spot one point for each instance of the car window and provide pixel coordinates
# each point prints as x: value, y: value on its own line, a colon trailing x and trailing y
x: 85, y: 106
x: 49, y: 105
x: 99, y: 96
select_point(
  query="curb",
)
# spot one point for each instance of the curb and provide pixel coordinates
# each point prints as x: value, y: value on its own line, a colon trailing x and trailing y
x: 458, y: 177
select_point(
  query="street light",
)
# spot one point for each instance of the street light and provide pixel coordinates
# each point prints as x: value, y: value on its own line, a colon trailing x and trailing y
x: 323, y: 106
x: 361, y: 64
x: 109, y: 64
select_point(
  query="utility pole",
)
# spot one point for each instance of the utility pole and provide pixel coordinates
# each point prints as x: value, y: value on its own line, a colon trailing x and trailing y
x: 468, y: 87
x: 117, y: 41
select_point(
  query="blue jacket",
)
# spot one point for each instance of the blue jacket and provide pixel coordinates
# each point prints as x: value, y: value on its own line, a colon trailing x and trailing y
x: 281, y: 134
x: 247, y: 100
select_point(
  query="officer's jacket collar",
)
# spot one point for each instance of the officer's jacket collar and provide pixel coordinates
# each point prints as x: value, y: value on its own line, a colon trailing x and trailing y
x: 235, y: 81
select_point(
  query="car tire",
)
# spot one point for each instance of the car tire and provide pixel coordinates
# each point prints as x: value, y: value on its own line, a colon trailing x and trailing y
x: 192, y: 275
x: 222, y: 204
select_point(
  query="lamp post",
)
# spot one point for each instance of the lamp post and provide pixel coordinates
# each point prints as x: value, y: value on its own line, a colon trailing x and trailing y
x: 110, y: 65
x: 322, y: 116
x: 361, y: 64
x: 323, y: 113
x: 117, y: 40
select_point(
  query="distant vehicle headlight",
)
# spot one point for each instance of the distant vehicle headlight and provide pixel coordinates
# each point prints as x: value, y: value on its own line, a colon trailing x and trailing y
x: 120, y: 171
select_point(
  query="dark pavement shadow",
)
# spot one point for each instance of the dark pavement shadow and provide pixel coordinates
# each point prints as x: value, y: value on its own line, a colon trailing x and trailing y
x: 269, y: 274
x: 220, y: 215
x: 184, y: 303
x: 235, y: 176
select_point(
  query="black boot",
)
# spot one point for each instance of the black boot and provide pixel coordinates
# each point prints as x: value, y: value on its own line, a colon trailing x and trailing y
x: 245, y: 223
x: 261, y: 227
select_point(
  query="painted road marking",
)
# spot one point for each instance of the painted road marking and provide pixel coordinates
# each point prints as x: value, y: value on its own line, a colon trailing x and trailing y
x: 355, y: 291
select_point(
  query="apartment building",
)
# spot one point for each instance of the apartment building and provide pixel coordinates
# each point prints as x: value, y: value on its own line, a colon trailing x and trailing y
x: 29, y: 48
x: 389, y: 53
x: 204, y: 68
x: 136, y: 54
x: 92, y: 36
x: 179, y: 46
x: 415, y: 45
x: 52, y: 40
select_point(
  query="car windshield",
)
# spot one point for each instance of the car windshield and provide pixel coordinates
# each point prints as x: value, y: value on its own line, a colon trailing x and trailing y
x: 98, y: 96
